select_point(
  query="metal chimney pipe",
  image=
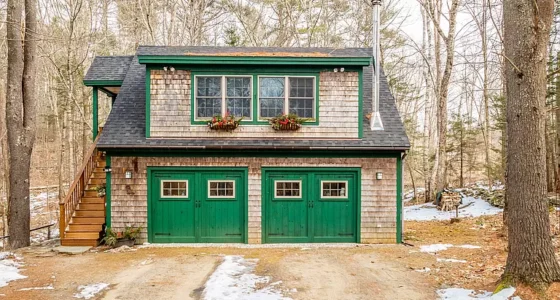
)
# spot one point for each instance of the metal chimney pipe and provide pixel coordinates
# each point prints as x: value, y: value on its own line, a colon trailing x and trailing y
x: 376, y: 123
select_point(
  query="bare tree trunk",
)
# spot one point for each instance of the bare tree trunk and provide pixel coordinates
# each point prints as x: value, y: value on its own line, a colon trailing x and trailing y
x: 20, y: 108
x: 487, y: 137
x: 531, y: 258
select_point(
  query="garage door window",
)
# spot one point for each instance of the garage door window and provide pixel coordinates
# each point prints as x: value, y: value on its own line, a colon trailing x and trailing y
x: 288, y: 189
x: 221, y: 189
x: 334, y: 189
x: 174, y: 189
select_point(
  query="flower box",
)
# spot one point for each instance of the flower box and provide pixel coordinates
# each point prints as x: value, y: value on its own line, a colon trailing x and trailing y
x: 286, y: 127
x: 226, y: 123
x: 289, y: 122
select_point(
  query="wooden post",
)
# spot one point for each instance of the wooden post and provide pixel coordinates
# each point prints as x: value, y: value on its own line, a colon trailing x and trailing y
x: 95, y: 113
x: 62, y: 223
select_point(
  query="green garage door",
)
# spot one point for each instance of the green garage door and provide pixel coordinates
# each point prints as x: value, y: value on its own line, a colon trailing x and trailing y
x: 191, y: 206
x: 310, y: 206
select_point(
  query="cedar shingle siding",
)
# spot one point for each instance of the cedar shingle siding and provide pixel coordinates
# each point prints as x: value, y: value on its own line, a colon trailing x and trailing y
x: 378, y: 197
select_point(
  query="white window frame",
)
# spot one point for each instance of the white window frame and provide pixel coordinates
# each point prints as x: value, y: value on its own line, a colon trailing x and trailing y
x: 287, y: 197
x: 179, y: 196
x: 221, y: 197
x: 334, y: 197
x: 224, y: 95
x: 286, y: 94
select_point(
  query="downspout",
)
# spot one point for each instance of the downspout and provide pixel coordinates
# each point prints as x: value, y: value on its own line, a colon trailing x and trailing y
x: 376, y: 123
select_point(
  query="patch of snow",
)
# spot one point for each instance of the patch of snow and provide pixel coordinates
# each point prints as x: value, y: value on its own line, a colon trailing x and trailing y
x: 429, y: 211
x: 234, y: 279
x: 9, y: 269
x: 90, y: 290
x: 469, y: 247
x: 48, y: 287
x: 435, y: 248
x: 452, y: 260
x: 424, y: 270
x: 465, y: 294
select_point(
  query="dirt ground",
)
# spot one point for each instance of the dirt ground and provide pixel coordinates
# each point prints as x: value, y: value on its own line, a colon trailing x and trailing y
x: 353, y: 272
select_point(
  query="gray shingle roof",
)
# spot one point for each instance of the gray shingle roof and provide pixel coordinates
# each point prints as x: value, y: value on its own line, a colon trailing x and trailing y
x: 108, y: 68
x: 126, y: 129
x: 208, y: 50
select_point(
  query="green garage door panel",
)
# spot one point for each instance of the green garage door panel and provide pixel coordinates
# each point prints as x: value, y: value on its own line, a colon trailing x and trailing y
x: 288, y: 219
x: 211, y: 210
x: 313, y: 216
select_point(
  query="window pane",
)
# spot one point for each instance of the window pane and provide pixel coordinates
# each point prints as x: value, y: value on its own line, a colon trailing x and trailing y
x: 208, y: 107
x: 209, y: 86
x: 239, y: 107
x: 272, y: 87
x: 271, y: 107
x: 301, y: 107
x: 238, y: 86
x: 301, y: 87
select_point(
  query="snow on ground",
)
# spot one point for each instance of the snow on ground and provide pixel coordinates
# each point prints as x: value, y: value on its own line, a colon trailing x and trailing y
x: 90, y: 290
x: 234, y: 279
x: 434, y: 248
x: 409, y: 195
x: 9, y: 269
x: 429, y: 212
x: 464, y: 294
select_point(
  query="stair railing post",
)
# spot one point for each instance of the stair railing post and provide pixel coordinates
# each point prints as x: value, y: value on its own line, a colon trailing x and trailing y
x: 62, y: 225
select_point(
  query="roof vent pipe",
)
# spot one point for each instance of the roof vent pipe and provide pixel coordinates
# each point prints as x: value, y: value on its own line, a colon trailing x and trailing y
x: 376, y: 123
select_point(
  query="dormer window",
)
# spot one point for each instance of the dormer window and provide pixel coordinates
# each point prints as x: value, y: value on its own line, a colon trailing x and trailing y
x: 211, y: 100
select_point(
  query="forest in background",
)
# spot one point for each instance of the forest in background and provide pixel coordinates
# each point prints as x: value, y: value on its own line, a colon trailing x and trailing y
x: 448, y: 83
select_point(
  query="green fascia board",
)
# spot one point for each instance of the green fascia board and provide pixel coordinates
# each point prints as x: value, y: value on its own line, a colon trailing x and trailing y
x: 109, y: 83
x: 148, y: 107
x: 360, y: 104
x: 255, y: 60
x: 147, y: 152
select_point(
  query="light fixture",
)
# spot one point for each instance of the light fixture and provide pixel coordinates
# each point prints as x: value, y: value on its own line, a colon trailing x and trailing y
x: 172, y: 69
x: 335, y: 70
x: 341, y: 69
x: 165, y: 69
x: 379, y: 175
x: 107, y: 169
x: 128, y: 174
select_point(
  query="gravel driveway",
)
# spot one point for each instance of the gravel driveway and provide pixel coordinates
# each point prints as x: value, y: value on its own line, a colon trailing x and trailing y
x: 302, y: 272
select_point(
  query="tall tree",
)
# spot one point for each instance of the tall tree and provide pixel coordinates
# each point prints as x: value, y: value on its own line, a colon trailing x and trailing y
x: 20, y: 111
x: 531, y: 256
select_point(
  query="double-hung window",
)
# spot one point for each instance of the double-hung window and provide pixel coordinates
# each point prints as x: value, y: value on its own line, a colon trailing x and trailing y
x: 287, y: 94
x: 218, y: 95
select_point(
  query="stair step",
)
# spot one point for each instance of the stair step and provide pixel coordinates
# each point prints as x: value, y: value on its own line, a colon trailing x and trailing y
x: 81, y: 235
x: 98, y: 175
x: 92, y: 200
x: 98, y: 170
x: 84, y: 227
x: 91, y: 206
x: 87, y: 220
x: 96, y: 181
x: 90, y: 194
x: 89, y: 213
x: 79, y: 242
x: 101, y: 163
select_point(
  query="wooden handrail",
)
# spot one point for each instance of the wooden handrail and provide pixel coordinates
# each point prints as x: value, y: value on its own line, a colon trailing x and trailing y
x: 76, y: 191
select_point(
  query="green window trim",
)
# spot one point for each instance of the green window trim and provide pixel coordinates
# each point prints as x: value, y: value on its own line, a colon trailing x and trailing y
x: 254, y: 92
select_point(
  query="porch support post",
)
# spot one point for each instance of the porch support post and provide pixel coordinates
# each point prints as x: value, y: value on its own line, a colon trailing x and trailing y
x: 95, y: 113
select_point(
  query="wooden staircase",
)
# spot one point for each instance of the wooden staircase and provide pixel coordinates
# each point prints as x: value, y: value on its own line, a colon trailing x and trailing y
x: 82, y: 214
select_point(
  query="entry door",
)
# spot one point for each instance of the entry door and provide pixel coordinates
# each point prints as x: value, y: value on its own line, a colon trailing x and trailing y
x: 198, y: 206
x: 310, y: 206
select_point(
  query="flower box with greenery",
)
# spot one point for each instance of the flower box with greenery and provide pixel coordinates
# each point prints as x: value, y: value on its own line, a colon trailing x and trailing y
x: 225, y: 123
x: 289, y: 122
x: 121, y: 238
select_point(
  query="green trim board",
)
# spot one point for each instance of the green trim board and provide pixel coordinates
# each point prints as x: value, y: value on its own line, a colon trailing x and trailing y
x: 310, y: 217
x: 255, y: 60
x: 109, y: 83
x: 360, y: 104
x: 197, y: 194
x: 95, y: 112
x: 148, y: 108
x: 399, y: 200
x: 251, y: 153
x: 255, y: 92
x: 108, y: 192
